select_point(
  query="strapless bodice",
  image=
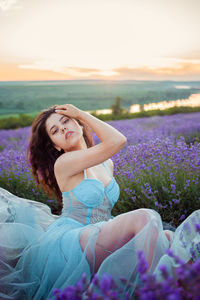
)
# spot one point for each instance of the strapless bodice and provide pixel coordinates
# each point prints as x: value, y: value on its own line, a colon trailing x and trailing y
x: 90, y: 201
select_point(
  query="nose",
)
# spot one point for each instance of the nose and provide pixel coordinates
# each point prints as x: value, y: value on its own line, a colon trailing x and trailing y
x: 62, y: 129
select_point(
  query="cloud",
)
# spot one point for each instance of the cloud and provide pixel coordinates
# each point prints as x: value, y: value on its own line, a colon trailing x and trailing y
x: 69, y: 71
x: 40, y: 66
x: 177, y: 71
x: 192, y: 56
x: 6, y: 6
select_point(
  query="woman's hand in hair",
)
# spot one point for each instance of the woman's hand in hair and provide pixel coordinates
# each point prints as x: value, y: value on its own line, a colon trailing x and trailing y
x: 68, y: 110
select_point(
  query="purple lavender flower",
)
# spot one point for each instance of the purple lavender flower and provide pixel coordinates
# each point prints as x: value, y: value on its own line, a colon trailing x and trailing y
x: 142, y: 263
x: 197, y: 228
x: 157, y: 163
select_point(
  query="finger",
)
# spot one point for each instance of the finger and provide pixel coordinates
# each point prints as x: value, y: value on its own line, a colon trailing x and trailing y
x: 61, y: 107
x: 60, y: 111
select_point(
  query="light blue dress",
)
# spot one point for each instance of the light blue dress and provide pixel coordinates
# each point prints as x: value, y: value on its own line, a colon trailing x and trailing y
x: 40, y: 251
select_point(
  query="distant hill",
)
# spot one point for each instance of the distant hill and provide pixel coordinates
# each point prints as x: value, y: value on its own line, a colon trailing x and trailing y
x: 33, y: 96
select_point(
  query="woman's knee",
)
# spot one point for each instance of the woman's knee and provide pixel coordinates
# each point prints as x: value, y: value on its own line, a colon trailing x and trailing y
x: 136, y: 220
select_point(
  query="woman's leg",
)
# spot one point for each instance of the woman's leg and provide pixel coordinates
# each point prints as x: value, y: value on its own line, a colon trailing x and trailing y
x: 118, y: 231
x: 169, y: 235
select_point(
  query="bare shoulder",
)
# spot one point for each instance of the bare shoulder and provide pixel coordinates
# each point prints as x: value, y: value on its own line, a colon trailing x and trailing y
x: 58, y: 162
x: 110, y: 165
x: 58, y: 167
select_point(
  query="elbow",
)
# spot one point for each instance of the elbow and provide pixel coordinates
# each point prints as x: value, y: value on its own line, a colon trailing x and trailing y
x: 123, y: 142
x: 119, y: 143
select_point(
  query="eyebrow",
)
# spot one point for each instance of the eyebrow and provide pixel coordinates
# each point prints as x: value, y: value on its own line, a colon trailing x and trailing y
x: 59, y: 121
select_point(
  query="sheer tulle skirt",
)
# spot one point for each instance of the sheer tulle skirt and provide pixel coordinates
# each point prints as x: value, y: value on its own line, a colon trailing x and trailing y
x: 40, y: 251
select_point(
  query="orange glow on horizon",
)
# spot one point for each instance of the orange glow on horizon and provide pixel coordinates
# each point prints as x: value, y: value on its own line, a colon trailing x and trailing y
x: 27, y: 71
x: 11, y: 72
x: 88, y: 41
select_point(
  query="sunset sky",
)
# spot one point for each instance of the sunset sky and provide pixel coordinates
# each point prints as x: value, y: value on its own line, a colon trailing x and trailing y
x: 99, y: 39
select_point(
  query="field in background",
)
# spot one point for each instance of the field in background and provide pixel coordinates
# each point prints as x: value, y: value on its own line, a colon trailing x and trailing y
x: 31, y: 97
x: 159, y: 167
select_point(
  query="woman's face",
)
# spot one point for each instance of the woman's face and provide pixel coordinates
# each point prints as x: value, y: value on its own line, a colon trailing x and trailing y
x: 64, y: 132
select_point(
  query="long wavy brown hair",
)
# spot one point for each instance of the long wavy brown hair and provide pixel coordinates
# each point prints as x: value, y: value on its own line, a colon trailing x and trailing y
x: 42, y: 154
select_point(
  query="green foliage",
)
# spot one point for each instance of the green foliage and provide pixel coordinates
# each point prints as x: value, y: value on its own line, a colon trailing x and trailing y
x: 26, y: 97
x: 126, y: 115
x: 116, y: 107
x: 170, y: 200
x: 187, y: 199
x: 24, y: 186
x: 24, y: 120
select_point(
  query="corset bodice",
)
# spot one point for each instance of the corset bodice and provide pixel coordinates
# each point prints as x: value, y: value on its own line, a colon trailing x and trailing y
x: 90, y: 201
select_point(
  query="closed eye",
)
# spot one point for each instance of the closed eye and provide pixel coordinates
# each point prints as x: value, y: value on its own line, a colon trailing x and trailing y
x: 64, y: 122
x: 54, y: 131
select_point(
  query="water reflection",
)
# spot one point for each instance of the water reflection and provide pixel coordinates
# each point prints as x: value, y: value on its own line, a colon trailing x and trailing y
x: 192, y: 101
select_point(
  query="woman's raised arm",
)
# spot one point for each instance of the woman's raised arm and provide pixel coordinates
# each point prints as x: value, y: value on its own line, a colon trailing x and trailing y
x: 111, y: 142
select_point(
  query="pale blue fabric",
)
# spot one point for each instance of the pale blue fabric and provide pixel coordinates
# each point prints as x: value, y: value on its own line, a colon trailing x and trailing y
x: 40, y: 251
x: 90, y: 201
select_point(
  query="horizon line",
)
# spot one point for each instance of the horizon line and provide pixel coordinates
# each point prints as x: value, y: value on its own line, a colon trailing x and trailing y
x: 107, y: 80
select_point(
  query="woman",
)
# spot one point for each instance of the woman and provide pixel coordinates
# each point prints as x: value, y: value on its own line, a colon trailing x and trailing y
x: 41, y: 251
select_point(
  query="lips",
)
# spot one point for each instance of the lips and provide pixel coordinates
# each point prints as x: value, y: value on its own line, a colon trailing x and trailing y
x: 68, y: 134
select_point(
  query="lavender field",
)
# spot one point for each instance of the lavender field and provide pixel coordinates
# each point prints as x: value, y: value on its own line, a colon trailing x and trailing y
x: 159, y: 168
